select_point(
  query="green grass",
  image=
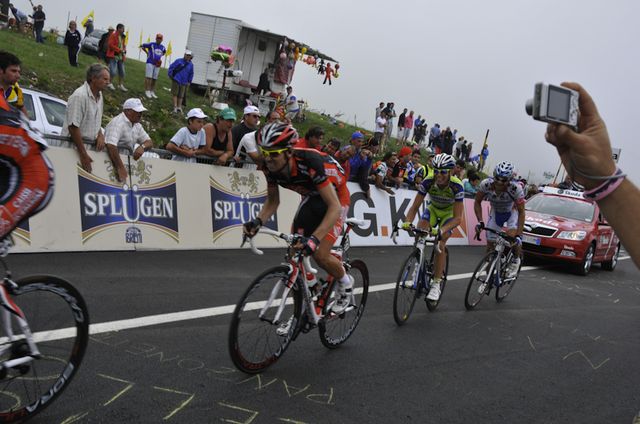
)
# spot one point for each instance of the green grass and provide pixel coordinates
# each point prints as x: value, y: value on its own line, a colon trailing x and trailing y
x: 46, y: 67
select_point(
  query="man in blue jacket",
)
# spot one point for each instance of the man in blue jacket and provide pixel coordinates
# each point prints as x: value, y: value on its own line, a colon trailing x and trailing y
x: 181, y: 72
x: 360, y: 163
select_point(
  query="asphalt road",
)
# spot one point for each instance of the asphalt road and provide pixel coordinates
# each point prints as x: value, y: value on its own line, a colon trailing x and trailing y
x: 560, y: 349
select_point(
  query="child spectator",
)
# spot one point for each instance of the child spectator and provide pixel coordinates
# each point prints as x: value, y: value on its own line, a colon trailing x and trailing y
x: 189, y: 141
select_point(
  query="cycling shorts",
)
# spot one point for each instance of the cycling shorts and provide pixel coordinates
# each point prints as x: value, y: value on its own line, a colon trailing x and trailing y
x: 498, y: 220
x: 26, y: 180
x: 310, y: 214
x: 437, y: 217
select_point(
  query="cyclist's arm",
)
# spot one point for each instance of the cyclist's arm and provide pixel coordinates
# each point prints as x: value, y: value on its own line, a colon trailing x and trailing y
x: 271, y: 204
x: 458, y: 209
x: 520, y: 208
x: 411, y: 214
x: 328, y: 194
x: 477, y: 205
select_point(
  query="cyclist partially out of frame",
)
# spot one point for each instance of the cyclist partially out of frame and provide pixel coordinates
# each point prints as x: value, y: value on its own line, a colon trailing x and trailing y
x: 325, y: 199
x: 444, y: 210
x: 26, y: 175
x: 507, y: 210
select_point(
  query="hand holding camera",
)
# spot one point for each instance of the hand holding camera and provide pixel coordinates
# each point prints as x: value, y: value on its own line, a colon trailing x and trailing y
x: 582, y: 143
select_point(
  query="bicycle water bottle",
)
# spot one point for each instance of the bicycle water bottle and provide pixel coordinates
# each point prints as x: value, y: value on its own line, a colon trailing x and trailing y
x: 312, y: 282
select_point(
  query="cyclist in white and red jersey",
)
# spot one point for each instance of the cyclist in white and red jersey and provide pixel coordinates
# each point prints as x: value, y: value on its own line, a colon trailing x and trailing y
x: 26, y: 175
x: 507, y: 209
x: 325, y: 199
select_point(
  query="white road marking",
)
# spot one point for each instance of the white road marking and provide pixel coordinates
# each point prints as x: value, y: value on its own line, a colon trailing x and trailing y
x: 125, y: 324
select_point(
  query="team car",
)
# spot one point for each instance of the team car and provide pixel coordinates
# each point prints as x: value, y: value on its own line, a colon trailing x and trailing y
x: 563, y: 225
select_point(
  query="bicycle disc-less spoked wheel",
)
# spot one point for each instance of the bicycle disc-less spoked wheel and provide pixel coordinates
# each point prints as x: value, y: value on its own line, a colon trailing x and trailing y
x: 59, y: 322
x: 257, y: 338
x: 480, y: 283
x: 336, y: 329
x: 433, y: 304
x: 408, y: 288
x: 503, y: 291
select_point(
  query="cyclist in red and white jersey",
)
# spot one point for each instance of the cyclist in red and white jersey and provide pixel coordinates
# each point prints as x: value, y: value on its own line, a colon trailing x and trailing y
x: 26, y: 175
x: 325, y: 199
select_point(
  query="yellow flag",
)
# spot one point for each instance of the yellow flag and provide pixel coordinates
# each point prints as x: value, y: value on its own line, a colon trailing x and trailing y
x: 148, y: 38
x: 126, y: 38
x: 169, y: 50
x: 86, y: 18
x: 140, y: 43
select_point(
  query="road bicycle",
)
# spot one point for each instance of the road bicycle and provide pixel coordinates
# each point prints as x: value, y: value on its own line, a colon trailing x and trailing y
x: 45, y: 325
x: 416, y: 275
x: 491, y: 272
x: 287, y: 300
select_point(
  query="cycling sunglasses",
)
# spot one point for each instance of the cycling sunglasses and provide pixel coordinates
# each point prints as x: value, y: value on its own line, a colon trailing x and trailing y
x: 440, y: 171
x: 501, y: 179
x: 274, y: 152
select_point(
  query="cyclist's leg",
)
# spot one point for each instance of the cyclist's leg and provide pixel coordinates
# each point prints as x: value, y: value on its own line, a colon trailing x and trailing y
x: 427, y: 220
x: 512, y: 230
x: 492, y: 225
x: 441, y: 256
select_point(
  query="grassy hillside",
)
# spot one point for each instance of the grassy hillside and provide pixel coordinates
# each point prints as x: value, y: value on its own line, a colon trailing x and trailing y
x: 45, y: 67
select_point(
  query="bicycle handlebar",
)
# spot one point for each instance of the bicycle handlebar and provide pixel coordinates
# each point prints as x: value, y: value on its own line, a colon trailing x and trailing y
x: 428, y: 236
x: 499, y: 233
x: 289, y: 238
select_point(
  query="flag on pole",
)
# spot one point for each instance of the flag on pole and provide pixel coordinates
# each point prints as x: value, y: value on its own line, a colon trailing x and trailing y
x: 169, y: 50
x: 140, y: 43
x: 148, y: 38
x: 126, y: 39
x: 86, y: 18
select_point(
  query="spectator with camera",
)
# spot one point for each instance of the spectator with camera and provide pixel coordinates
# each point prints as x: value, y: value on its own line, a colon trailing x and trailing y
x: 181, y: 73
x: 586, y: 155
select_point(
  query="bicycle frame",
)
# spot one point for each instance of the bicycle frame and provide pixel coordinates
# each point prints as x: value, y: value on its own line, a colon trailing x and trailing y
x: 424, y: 237
x: 9, y: 310
x: 299, y: 268
x: 503, y: 242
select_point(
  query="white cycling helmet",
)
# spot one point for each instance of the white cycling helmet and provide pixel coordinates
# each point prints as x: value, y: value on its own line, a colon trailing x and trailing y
x: 503, y: 170
x: 443, y: 161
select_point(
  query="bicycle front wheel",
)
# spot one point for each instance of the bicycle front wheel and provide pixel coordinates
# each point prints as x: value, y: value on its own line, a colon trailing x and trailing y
x: 408, y: 288
x: 58, y: 320
x: 264, y: 321
x: 503, y: 291
x: 480, y: 282
x: 336, y: 329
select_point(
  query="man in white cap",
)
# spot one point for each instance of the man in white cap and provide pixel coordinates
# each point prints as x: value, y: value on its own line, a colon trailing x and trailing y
x: 249, y: 123
x: 189, y: 141
x: 124, y: 132
x: 181, y: 72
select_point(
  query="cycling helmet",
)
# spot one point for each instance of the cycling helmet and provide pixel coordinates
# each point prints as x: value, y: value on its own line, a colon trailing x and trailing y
x: 503, y: 170
x: 443, y: 161
x: 276, y: 135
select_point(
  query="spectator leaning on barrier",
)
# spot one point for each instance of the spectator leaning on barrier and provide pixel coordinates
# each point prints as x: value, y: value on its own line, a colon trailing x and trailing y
x: 84, y: 113
x: 399, y: 169
x: 247, y: 151
x: 116, y: 55
x: 181, y: 73
x: 189, y: 141
x: 155, y: 51
x: 471, y: 184
x: 382, y: 171
x: 249, y: 123
x: 10, y: 71
x: 219, y: 141
x: 38, y: 23
x: 124, y: 131
x: 312, y: 139
x: 72, y: 40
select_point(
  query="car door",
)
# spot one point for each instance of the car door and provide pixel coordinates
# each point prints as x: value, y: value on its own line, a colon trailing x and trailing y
x: 33, y: 111
x: 604, y: 239
x: 54, y: 112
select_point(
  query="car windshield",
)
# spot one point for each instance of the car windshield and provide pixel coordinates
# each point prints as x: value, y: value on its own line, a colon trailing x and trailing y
x: 561, y: 206
x: 97, y: 33
x: 54, y: 111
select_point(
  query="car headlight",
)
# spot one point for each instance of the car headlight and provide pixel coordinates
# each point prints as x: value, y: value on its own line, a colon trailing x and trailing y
x: 572, y: 235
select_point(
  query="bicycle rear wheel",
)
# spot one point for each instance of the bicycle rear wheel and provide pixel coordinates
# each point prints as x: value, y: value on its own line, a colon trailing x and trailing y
x: 58, y: 319
x: 336, y: 329
x: 503, y: 291
x: 433, y: 304
x: 258, y: 335
x: 480, y: 283
x: 408, y: 289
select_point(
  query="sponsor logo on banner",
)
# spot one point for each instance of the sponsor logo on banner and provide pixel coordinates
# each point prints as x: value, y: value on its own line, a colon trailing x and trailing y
x: 105, y: 205
x: 235, y: 201
x: 22, y: 231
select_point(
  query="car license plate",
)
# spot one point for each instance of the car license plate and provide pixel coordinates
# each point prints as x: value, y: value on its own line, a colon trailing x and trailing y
x: 531, y: 239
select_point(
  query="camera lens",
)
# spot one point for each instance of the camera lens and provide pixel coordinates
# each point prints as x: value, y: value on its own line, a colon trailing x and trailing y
x: 528, y: 106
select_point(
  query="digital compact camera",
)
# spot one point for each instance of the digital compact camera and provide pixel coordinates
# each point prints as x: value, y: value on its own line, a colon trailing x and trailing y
x: 554, y: 104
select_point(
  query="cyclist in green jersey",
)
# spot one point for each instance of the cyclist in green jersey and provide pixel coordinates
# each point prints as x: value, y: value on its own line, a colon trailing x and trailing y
x: 444, y: 210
